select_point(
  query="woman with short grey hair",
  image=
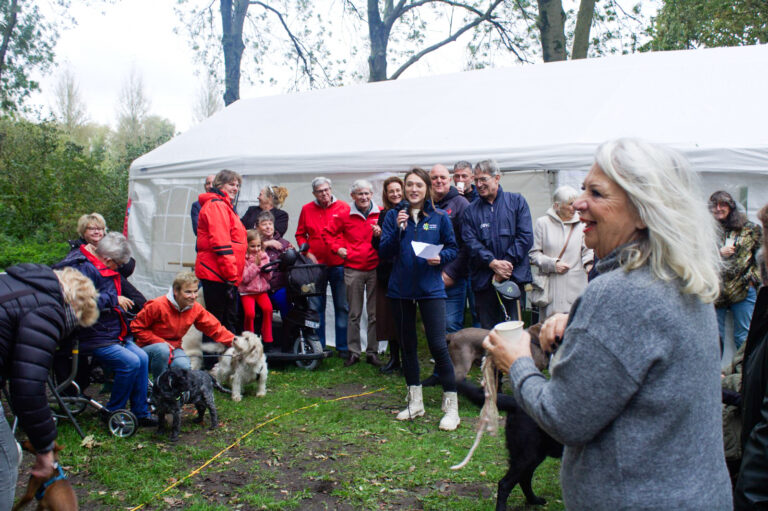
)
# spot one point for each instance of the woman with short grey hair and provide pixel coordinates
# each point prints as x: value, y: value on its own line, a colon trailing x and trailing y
x: 559, y: 253
x: 108, y: 340
x: 634, y: 393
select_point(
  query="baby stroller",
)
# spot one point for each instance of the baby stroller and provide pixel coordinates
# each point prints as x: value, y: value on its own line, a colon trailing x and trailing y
x: 297, y: 336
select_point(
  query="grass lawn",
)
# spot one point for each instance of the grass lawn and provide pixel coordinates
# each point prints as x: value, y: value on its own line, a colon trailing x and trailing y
x: 318, y: 452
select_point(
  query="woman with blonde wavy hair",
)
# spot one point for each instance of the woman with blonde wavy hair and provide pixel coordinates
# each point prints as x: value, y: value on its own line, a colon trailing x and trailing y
x: 634, y: 393
x: 38, y: 308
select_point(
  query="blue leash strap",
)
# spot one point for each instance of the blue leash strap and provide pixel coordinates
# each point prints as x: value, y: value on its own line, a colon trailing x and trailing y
x: 61, y: 475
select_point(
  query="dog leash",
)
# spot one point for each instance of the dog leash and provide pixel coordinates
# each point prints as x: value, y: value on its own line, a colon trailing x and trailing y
x: 61, y: 475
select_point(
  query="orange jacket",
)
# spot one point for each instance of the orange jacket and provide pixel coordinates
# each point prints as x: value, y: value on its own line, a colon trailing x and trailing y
x: 221, y: 241
x: 161, y: 321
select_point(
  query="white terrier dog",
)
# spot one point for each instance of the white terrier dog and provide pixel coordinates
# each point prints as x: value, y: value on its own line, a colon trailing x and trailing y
x: 241, y: 364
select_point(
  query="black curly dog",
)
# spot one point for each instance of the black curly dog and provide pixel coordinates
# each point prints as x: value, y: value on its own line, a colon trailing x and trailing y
x: 175, y: 387
x: 527, y: 445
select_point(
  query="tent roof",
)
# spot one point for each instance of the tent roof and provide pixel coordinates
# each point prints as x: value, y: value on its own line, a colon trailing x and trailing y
x: 709, y: 103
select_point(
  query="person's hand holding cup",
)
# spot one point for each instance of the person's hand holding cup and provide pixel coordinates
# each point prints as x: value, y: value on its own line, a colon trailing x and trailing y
x: 506, y: 343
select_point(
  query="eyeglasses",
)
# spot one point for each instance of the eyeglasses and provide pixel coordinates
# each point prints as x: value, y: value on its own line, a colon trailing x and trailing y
x: 483, y: 180
x: 322, y: 191
x: 95, y: 229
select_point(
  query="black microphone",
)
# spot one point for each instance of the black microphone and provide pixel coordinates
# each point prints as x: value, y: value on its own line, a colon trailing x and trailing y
x: 403, y: 205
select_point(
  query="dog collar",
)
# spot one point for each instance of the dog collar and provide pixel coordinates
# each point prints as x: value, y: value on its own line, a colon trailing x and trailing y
x: 61, y: 475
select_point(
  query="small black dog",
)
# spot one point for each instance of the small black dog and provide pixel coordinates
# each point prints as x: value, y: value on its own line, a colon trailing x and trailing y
x: 527, y: 445
x: 175, y: 387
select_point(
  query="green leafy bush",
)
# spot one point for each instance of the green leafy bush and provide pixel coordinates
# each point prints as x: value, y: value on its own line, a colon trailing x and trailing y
x: 31, y: 251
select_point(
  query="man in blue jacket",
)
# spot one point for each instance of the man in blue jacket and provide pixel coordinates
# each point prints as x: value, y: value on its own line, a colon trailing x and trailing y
x: 447, y: 198
x: 195, y: 211
x: 498, y: 233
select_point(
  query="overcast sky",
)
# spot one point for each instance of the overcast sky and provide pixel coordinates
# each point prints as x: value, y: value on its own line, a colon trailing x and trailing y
x: 112, y: 38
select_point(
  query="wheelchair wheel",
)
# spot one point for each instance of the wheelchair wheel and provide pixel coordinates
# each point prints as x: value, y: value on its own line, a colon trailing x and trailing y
x: 122, y: 423
x: 309, y: 347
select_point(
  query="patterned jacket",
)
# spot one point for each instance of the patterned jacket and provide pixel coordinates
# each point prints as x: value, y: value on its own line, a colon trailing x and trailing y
x: 740, y: 271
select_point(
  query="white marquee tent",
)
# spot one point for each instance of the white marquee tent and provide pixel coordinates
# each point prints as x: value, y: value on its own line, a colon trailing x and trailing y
x: 543, y: 121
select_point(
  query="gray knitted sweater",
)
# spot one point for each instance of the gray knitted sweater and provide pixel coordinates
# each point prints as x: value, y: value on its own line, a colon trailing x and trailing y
x: 634, y: 395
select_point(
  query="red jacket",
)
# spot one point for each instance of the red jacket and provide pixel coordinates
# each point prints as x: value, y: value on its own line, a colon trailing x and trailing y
x: 312, y: 220
x: 221, y: 241
x: 355, y: 233
x: 161, y: 321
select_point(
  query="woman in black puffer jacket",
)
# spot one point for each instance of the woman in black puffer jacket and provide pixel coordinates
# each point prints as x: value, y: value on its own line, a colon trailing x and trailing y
x: 38, y: 308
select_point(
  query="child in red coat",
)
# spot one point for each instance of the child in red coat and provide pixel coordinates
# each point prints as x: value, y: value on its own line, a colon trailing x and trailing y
x: 254, y: 286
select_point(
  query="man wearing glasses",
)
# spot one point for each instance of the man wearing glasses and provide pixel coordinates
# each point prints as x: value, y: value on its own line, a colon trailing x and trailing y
x: 314, y: 218
x: 498, y: 233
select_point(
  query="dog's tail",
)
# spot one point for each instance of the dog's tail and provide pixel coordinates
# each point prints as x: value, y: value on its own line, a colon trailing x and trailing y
x: 217, y: 385
x: 476, y: 394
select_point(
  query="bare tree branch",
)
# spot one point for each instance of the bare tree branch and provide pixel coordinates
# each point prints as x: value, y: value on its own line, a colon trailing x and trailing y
x: 415, y: 58
x: 296, y: 43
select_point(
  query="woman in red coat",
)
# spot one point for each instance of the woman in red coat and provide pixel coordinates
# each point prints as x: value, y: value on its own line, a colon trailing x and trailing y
x: 221, y: 246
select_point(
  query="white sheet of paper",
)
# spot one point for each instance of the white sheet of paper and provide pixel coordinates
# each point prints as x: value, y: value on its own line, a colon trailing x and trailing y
x: 426, y: 250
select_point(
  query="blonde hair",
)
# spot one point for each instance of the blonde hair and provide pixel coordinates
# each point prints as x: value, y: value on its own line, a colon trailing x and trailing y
x: 84, y: 221
x: 680, y: 240
x: 80, y: 293
x: 183, y: 278
x: 277, y: 194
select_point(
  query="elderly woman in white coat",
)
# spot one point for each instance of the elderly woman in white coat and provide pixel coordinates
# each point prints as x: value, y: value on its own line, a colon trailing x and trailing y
x: 566, y: 269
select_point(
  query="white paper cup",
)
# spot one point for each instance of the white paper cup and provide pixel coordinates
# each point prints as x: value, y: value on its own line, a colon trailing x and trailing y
x: 460, y: 185
x: 509, y: 330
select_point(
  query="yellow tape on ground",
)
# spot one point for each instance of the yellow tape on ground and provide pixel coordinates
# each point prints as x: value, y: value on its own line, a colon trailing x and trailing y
x: 244, y: 436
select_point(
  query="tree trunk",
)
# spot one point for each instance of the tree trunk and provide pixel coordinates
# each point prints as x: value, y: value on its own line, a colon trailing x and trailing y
x: 551, y: 25
x: 10, y: 24
x: 581, y: 33
x: 232, y: 19
x: 378, y: 33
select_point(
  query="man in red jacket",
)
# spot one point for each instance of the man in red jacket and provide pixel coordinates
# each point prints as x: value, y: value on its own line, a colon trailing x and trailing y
x: 314, y: 218
x: 350, y: 237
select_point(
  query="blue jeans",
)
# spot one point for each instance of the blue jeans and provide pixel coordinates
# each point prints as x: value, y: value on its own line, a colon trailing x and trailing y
x: 433, y: 317
x: 130, y: 365
x: 279, y: 299
x: 454, y: 305
x: 158, y: 358
x: 340, y: 307
x: 742, y: 316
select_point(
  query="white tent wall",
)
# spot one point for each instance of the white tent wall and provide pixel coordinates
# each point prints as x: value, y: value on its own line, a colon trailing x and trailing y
x: 544, y: 119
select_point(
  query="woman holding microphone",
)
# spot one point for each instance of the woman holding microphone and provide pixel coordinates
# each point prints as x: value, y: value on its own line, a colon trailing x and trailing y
x: 418, y: 281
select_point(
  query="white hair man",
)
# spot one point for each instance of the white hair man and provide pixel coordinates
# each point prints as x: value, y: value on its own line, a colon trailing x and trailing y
x: 350, y: 237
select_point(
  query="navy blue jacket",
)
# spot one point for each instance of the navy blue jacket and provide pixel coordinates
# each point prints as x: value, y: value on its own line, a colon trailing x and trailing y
x: 502, y: 230
x: 454, y: 204
x: 112, y: 326
x: 194, y: 213
x: 31, y: 326
x: 412, y: 277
